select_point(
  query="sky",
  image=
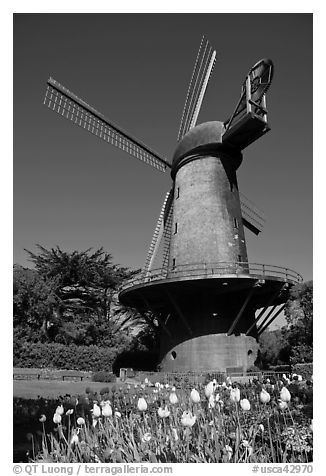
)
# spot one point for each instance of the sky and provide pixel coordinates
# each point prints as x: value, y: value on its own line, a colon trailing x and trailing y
x: 73, y: 190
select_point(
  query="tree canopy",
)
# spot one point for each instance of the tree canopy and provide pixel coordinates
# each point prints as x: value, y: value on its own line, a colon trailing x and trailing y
x: 71, y: 297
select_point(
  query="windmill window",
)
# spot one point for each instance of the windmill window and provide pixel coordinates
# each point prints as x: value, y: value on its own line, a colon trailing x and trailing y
x: 235, y: 222
x: 178, y: 193
x: 173, y: 263
x: 239, y: 258
x: 175, y: 228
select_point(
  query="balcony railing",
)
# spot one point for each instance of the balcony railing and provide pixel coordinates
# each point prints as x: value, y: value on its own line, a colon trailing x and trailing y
x: 209, y: 270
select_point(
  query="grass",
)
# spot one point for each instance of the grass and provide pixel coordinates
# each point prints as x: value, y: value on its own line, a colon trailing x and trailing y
x: 52, y: 388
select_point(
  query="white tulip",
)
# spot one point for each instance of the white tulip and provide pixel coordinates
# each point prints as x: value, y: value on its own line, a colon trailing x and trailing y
x: 209, y: 389
x: 163, y: 412
x: 142, y: 404
x: 188, y: 419
x: 235, y: 395
x: 264, y: 396
x: 57, y: 418
x: 96, y: 411
x: 285, y: 395
x: 245, y: 404
x: 107, y: 410
x: 60, y: 410
x: 194, y: 395
x: 74, y: 439
x: 211, y: 401
x: 173, y: 398
x: 282, y: 405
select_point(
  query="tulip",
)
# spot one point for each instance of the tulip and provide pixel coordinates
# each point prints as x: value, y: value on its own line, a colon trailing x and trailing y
x: 264, y: 396
x: 163, y: 412
x: 157, y: 385
x: 167, y: 385
x: 80, y: 421
x: 117, y: 414
x: 285, y: 395
x: 282, y: 405
x: 173, y: 398
x: 299, y: 378
x: 245, y: 404
x: 57, y: 418
x: 175, y: 434
x: 245, y: 443
x: 142, y: 404
x: 211, y: 402
x: 42, y: 418
x: 70, y: 411
x: 229, y: 451
x: 74, y: 439
x: 262, y: 428
x: 146, y: 381
x: 105, y: 402
x: 217, y: 397
x: 147, y: 437
x: 194, y: 395
x: 209, y: 389
x: 188, y: 419
x: 96, y: 411
x: 235, y: 395
x: 107, y: 410
x: 60, y: 410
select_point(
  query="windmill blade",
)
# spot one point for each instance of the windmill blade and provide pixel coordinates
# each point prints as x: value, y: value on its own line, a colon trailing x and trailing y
x: 68, y: 105
x: 160, y: 231
x: 251, y: 216
x: 202, y: 71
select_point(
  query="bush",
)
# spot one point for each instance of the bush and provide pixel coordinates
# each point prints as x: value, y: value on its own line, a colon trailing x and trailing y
x: 305, y: 370
x: 103, y: 376
x: 59, y: 356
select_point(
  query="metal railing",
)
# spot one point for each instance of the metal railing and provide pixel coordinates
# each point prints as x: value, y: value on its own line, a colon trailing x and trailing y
x: 210, y: 270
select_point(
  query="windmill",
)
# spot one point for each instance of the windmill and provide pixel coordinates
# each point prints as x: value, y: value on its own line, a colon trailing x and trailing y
x: 197, y: 286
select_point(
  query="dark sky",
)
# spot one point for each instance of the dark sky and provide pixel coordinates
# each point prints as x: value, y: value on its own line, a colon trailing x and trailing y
x: 75, y: 191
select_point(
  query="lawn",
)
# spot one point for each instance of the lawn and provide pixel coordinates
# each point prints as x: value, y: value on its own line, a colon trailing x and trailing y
x: 52, y: 388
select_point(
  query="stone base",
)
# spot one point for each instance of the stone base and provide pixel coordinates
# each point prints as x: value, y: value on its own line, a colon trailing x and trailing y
x: 211, y: 353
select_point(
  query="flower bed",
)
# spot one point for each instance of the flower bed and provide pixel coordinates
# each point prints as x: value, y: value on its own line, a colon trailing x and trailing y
x: 158, y: 423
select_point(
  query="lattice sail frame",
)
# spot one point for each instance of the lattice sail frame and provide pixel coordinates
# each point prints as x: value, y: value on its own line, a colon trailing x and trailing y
x: 202, y: 71
x: 65, y: 103
x: 160, y: 243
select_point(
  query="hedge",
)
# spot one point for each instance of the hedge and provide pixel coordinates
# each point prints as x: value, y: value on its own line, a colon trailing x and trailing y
x: 60, y: 356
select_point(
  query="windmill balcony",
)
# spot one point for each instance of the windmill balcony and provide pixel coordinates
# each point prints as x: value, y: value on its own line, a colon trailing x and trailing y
x: 225, y: 270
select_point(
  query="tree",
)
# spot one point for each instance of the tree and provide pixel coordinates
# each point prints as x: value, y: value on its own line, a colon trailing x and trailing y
x: 34, y: 303
x: 86, y: 281
x: 299, y: 316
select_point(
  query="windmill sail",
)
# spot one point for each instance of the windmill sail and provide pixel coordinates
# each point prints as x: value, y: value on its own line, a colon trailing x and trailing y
x: 251, y: 217
x: 158, y: 252
x: 202, y: 71
x: 68, y: 105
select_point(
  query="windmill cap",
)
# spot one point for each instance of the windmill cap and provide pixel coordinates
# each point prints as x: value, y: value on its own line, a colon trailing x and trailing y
x: 202, y: 138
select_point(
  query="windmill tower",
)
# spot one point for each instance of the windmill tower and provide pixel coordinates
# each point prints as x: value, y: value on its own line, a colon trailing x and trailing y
x: 197, y: 286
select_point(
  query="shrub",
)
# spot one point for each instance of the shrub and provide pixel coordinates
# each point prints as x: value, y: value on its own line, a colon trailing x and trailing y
x: 103, y: 376
x: 305, y: 370
x: 60, y: 356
